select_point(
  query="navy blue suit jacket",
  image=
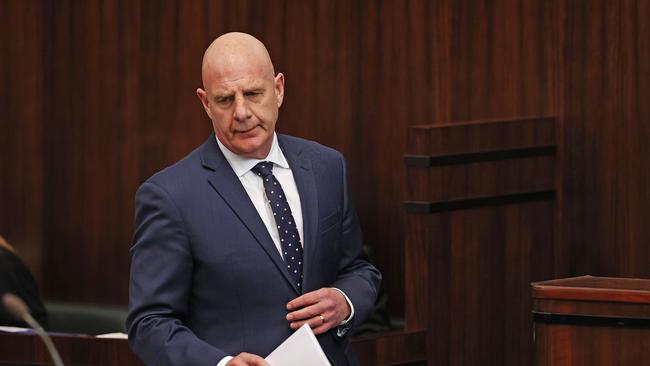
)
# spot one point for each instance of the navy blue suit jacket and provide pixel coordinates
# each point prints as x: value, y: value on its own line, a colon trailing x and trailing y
x: 206, y: 278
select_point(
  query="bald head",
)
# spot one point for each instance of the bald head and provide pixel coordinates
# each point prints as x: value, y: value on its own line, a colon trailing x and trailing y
x: 232, y: 51
x: 241, y: 94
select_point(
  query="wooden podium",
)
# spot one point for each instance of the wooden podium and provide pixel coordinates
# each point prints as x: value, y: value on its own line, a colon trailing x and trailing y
x: 592, y: 321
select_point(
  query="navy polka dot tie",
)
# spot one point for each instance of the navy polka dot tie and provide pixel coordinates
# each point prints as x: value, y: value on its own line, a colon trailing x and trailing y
x: 289, y: 237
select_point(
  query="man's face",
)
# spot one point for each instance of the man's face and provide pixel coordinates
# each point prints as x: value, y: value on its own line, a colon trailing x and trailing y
x: 243, y: 102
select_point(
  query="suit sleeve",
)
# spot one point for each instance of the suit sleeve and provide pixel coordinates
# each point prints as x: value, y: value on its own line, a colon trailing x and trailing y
x: 161, y: 275
x: 357, y: 278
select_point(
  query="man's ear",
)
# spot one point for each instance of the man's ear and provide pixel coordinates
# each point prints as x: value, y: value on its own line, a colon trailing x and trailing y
x: 279, y: 88
x: 203, y: 97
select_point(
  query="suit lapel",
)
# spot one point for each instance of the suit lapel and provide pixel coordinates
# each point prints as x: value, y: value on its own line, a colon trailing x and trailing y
x: 303, y: 174
x: 226, y: 183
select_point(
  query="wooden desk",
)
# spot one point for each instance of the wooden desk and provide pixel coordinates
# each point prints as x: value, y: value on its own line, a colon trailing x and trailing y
x: 592, y: 321
x: 74, y: 350
x: 391, y: 348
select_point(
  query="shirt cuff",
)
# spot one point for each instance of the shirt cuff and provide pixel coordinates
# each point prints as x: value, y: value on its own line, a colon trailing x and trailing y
x: 224, y: 361
x: 346, y: 320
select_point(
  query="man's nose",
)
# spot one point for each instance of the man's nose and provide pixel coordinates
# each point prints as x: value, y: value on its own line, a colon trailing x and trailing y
x: 242, y: 112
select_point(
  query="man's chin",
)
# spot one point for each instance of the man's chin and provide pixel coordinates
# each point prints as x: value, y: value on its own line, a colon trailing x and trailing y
x: 253, y: 149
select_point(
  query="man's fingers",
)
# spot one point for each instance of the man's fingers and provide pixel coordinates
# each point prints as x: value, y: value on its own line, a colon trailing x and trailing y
x: 315, y: 322
x: 308, y: 312
x: 247, y: 359
x: 306, y: 299
x: 325, y: 309
x: 321, y: 329
x: 315, y: 303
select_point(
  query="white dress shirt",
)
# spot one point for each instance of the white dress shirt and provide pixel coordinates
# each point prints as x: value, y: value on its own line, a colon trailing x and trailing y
x: 255, y: 188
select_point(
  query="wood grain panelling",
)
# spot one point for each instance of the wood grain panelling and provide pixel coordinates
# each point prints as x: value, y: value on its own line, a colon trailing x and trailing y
x: 97, y: 95
x: 564, y: 345
x: 469, y: 264
x: 392, y: 348
x: 21, y: 132
x: 607, y: 127
x: 468, y: 160
x: 478, y: 263
x: 123, y: 96
x: 502, y: 56
x: 592, y: 321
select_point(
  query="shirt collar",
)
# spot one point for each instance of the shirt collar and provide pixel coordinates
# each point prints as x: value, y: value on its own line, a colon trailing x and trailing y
x: 242, y: 165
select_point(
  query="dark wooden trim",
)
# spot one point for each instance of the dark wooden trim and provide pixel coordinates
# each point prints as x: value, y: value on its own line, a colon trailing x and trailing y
x: 595, y: 288
x: 487, y: 122
x: 589, y: 320
x: 476, y: 202
x: 477, y: 157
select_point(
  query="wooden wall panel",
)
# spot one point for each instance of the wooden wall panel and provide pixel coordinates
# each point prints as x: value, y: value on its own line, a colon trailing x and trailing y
x: 607, y: 126
x: 138, y: 113
x: 480, y: 227
x: 21, y: 132
x: 502, y: 54
x: 490, y: 309
x: 479, y: 264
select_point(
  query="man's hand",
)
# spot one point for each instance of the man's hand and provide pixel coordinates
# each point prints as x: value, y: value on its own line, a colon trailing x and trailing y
x: 322, y: 309
x: 247, y: 359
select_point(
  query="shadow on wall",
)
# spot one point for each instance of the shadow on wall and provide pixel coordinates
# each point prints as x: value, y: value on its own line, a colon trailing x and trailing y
x: 17, y: 279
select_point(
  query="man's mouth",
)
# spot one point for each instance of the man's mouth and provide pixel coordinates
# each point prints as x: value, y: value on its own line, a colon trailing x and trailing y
x: 246, y: 131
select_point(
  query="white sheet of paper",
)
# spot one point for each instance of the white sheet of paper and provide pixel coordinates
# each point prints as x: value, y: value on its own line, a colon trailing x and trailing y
x: 118, y: 335
x: 300, y: 349
x: 15, y: 330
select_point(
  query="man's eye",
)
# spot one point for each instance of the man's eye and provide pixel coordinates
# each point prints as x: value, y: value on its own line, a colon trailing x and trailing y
x: 224, y: 100
x: 253, y: 94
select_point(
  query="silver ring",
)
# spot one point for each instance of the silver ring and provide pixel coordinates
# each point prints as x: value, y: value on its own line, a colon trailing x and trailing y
x: 322, y: 318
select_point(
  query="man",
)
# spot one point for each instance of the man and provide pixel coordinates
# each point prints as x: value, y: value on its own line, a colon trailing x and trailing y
x: 248, y: 237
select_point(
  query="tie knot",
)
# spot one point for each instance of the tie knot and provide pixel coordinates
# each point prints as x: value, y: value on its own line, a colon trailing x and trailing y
x: 263, y: 169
